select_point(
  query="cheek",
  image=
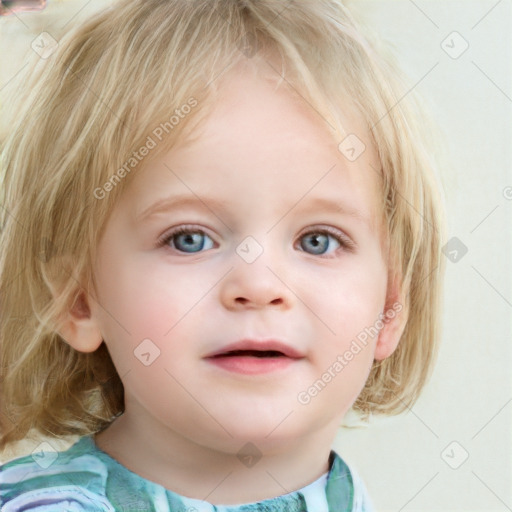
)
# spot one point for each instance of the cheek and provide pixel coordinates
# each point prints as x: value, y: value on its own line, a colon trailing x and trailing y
x: 144, y: 298
x: 354, y: 298
x: 139, y: 300
x: 344, y: 363
x: 350, y: 308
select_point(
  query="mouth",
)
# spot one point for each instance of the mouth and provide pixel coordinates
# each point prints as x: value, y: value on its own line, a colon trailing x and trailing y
x: 251, y: 353
x: 257, y: 348
x: 251, y: 357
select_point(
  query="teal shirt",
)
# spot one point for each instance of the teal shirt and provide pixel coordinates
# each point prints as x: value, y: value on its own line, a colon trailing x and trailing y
x: 86, y: 479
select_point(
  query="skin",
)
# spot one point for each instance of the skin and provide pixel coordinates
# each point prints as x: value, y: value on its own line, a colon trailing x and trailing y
x: 264, y: 154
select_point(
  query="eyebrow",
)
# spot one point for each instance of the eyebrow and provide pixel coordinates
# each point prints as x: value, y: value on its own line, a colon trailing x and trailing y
x: 170, y: 203
x: 331, y: 206
x: 303, y: 205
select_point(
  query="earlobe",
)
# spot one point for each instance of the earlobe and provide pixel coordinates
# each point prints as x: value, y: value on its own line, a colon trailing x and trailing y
x: 390, y: 335
x: 395, y: 317
x: 79, y: 328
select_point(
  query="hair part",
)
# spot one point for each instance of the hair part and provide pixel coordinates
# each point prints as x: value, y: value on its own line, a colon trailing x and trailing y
x: 110, y: 85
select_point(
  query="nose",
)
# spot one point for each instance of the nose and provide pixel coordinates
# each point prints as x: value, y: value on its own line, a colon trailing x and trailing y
x: 256, y: 285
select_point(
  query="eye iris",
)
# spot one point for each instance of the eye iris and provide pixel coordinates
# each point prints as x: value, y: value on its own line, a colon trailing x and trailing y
x: 319, y: 242
x: 192, y: 242
x: 195, y: 241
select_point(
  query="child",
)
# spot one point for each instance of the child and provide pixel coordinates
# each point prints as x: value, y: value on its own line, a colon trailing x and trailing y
x: 212, y: 377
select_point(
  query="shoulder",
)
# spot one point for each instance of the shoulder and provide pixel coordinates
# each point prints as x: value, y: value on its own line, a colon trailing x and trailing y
x: 341, y: 472
x: 73, y: 480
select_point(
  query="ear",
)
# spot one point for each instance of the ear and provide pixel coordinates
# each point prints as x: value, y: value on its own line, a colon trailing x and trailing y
x: 79, y: 328
x: 395, y: 317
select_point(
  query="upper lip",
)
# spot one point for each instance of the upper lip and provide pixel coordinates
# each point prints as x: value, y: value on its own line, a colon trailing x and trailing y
x: 259, y: 345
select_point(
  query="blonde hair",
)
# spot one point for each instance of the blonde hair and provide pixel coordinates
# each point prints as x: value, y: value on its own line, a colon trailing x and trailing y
x: 109, y: 85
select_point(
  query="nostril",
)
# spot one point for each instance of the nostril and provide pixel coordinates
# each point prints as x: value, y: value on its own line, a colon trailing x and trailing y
x: 244, y: 301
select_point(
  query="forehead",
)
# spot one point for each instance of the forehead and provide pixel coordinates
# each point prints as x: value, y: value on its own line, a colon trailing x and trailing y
x: 255, y: 100
x: 262, y: 138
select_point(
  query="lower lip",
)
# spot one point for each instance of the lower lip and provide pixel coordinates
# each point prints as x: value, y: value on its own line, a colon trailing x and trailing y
x: 250, y: 365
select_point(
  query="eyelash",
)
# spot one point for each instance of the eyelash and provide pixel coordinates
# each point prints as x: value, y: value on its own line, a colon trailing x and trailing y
x: 345, y: 242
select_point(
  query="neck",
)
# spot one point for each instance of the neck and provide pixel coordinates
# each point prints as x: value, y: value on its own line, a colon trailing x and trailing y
x: 233, y: 473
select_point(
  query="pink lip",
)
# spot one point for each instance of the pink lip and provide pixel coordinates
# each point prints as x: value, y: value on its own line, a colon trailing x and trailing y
x: 263, y: 345
x: 251, y: 364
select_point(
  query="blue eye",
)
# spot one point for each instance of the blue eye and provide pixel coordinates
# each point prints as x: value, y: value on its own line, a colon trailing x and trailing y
x: 187, y: 240
x: 319, y: 242
x: 323, y: 241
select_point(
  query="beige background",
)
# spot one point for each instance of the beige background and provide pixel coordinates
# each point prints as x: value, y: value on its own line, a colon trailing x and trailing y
x: 415, y: 462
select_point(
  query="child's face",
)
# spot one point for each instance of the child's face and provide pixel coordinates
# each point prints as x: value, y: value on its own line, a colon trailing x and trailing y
x: 252, y: 182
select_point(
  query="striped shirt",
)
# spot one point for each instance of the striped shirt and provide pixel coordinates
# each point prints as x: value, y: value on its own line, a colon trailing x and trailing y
x: 85, y: 479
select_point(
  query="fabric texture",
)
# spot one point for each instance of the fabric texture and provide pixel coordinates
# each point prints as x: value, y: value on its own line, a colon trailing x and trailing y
x: 86, y: 479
